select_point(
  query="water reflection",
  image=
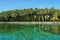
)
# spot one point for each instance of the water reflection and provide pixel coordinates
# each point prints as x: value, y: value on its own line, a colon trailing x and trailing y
x: 54, y: 28
x: 31, y: 32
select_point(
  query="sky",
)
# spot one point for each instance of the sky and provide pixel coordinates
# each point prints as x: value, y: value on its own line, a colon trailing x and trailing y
x: 21, y: 4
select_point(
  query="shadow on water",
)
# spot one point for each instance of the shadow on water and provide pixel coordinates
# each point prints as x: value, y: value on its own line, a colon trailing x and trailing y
x: 13, y: 27
x: 10, y: 27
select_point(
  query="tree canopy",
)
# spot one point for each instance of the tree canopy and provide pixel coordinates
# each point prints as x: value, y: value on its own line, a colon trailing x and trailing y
x: 31, y: 14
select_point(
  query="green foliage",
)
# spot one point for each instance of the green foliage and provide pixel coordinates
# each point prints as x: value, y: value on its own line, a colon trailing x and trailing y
x: 29, y: 15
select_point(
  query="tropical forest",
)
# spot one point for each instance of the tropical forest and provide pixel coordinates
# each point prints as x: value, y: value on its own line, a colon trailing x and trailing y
x: 30, y: 14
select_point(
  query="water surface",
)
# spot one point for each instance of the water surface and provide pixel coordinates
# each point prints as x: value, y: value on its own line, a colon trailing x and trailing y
x: 28, y: 34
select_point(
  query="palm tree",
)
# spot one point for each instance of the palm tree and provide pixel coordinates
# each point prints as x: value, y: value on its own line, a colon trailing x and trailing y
x: 55, y: 18
x: 52, y: 10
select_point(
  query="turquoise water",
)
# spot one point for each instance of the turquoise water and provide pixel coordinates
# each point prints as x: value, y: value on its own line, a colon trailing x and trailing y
x: 28, y: 34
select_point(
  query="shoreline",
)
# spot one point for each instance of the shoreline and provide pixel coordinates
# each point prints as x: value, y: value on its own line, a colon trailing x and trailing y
x: 31, y: 22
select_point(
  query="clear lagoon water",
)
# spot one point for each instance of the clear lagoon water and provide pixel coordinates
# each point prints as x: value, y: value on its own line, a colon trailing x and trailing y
x: 28, y: 33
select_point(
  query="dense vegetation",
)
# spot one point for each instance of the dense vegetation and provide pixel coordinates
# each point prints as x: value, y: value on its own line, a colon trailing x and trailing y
x: 36, y: 14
